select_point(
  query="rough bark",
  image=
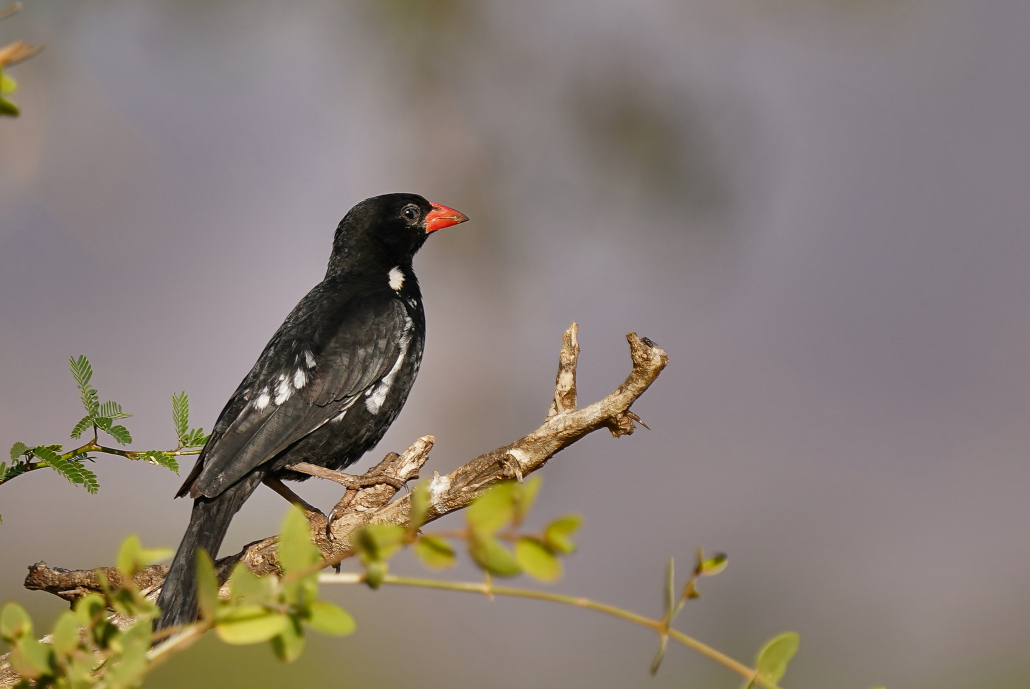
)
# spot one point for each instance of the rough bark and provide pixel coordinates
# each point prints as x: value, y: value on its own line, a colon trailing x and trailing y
x: 564, y: 425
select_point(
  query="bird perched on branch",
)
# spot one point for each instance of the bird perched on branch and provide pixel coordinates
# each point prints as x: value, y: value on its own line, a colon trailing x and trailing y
x: 327, y: 385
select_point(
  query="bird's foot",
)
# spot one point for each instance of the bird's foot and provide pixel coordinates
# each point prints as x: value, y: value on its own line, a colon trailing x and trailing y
x: 353, y: 484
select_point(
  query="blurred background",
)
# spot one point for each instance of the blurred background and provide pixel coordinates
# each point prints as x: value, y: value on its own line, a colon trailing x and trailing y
x: 817, y: 207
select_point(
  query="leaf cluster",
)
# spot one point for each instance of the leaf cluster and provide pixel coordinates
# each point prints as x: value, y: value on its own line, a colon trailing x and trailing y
x: 101, y: 416
x: 86, y: 649
x: 493, y: 536
x: 261, y: 609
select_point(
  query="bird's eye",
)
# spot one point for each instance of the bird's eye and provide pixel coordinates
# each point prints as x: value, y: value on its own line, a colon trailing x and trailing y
x: 411, y: 213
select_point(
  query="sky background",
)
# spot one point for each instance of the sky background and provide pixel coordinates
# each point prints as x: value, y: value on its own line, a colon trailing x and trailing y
x: 818, y: 208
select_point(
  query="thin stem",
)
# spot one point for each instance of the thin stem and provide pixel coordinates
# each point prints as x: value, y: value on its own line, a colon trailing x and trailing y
x: 179, y: 642
x: 488, y: 589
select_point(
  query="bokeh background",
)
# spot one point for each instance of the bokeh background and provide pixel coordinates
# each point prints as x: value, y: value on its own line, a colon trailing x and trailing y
x: 819, y: 208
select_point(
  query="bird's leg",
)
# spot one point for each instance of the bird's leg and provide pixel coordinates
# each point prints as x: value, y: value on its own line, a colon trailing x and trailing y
x: 280, y: 488
x: 353, y: 484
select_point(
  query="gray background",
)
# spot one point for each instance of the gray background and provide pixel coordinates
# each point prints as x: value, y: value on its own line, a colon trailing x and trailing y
x: 818, y: 208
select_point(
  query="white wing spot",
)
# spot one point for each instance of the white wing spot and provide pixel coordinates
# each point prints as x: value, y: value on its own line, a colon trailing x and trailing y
x: 375, y: 400
x: 262, y: 401
x: 309, y: 359
x: 300, y: 378
x: 339, y: 417
x: 396, y: 279
x: 283, y: 391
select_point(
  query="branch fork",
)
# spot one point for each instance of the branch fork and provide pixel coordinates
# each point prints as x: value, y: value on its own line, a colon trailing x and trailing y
x: 369, y: 499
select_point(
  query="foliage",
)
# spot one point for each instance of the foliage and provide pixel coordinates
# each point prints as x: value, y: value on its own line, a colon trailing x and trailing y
x: 101, y: 417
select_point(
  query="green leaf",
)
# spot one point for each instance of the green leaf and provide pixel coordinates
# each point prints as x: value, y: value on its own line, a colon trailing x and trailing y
x: 774, y: 657
x: 89, y: 609
x: 330, y: 619
x: 290, y: 643
x: 112, y: 410
x: 296, y: 550
x: 120, y: 434
x: 72, y: 470
x: 375, y: 572
x: 244, y: 585
x: 559, y: 533
x: 435, y: 552
x: 713, y: 565
x: 65, y: 637
x: 82, y: 371
x: 537, y: 560
x: 7, y: 84
x: 14, y: 622
x: 195, y: 438
x: 84, y: 423
x: 421, y: 501
x: 17, y: 450
x: 378, y: 542
x: 129, y: 555
x: 164, y: 459
x: 8, y: 108
x: 493, y: 509
x: 526, y: 496
x: 250, y: 624
x: 31, y: 659
x: 207, y: 585
x: 128, y: 669
x: 493, y: 557
x: 181, y: 415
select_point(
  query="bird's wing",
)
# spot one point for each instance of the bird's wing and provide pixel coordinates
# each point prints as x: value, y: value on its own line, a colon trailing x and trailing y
x: 312, y: 369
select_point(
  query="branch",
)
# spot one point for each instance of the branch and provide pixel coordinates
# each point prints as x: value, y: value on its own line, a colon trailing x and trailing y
x: 564, y: 425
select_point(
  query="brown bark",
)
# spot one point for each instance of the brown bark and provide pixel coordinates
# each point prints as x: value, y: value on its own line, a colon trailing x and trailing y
x: 564, y: 425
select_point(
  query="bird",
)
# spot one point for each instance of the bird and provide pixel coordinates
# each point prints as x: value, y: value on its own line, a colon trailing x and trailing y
x: 325, y: 388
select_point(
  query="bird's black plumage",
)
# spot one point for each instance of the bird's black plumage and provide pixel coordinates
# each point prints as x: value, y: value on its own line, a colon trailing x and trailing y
x: 327, y: 385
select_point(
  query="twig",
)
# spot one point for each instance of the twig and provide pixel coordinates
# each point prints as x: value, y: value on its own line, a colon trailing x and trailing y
x: 487, y: 588
x: 458, y: 489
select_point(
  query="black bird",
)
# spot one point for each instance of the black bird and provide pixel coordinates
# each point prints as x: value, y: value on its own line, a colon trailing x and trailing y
x: 327, y: 385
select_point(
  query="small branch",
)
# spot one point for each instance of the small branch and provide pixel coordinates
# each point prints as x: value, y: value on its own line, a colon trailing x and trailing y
x: 10, y: 10
x: 18, y: 51
x: 457, y: 490
x: 489, y: 590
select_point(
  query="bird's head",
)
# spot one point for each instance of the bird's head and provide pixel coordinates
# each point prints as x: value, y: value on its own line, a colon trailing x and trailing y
x: 390, y: 228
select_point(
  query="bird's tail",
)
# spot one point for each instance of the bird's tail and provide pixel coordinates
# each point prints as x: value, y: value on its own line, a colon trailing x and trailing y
x: 208, y: 525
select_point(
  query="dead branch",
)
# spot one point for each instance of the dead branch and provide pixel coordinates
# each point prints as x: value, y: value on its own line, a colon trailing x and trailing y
x: 564, y: 425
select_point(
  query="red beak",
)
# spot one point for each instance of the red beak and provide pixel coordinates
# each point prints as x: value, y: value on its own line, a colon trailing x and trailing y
x: 442, y: 216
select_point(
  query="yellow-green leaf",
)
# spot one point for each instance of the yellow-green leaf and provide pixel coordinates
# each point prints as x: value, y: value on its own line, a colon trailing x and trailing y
x: 435, y: 552
x: 290, y: 643
x: 129, y: 555
x: 559, y: 533
x: 537, y: 560
x: 714, y: 564
x: 493, y: 557
x: 421, y: 501
x: 330, y: 619
x: 250, y: 624
x: 245, y: 585
x: 7, y: 84
x: 65, y: 637
x: 14, y: 622
x: 493, y: 509
x: 30, y: 658
x: 774, y: 657
x: 207, y: 585
x: 377, y: 542
x: 296, y: 549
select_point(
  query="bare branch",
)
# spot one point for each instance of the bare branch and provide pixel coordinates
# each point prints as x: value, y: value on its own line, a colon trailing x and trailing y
x: 564, y: 426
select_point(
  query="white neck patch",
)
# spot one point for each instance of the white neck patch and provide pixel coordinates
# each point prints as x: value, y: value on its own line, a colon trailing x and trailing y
x: 396, y: 278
